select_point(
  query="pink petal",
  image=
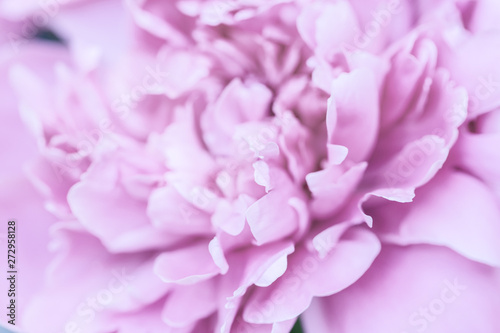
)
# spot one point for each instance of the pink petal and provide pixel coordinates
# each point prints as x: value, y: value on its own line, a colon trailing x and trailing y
x: 292, y: 293
x: 424, y: 288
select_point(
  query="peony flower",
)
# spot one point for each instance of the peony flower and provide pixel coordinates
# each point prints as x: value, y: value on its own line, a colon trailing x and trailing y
x: 207, y: 166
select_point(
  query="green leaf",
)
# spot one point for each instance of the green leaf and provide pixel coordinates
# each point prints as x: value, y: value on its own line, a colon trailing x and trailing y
x: 297, y: 328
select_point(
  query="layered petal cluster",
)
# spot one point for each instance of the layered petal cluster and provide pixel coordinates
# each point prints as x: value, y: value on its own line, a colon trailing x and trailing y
x: 229, y: 166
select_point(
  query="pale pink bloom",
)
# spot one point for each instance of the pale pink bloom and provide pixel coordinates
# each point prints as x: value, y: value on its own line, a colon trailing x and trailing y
x: 229, y: 167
